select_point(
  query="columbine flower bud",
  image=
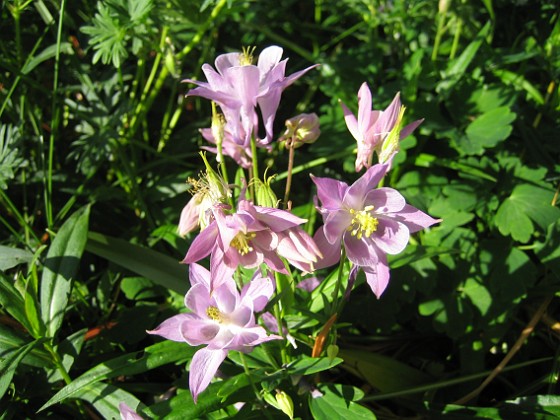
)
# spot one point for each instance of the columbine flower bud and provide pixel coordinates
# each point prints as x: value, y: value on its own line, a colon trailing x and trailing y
x: 303, y: 128
x: 390, y: 145
x: 285, y: 403
x: 265, y: 196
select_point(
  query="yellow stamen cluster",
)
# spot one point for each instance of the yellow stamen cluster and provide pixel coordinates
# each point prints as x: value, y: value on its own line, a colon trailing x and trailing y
x: 246, y: 57
x: 214, y: 313
x: 363, y: 223
x: 241, y: 242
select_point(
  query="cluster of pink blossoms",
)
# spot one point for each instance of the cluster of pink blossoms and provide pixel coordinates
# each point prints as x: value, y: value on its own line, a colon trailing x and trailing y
x: 361, y: 222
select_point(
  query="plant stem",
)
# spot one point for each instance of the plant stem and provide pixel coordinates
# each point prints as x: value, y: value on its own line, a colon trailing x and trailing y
x: 290, y: 146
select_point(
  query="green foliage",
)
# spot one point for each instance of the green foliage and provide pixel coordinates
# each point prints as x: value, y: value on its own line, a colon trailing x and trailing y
x: 79, y: 289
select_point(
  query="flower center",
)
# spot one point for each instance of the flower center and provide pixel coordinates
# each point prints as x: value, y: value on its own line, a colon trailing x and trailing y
x: 241, y: 242
x: 246, y: 57
x: 214, y: 314
x: 363, y: 223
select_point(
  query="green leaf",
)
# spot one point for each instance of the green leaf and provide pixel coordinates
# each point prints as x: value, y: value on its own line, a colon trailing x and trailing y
x: 159, y: 268
x: 9, y: 365
x: 47, y: 54
x: 128, y: 364
x: 549, y: 251
x: 12, y: 301
x: 106, y: 399
x: 10, y: 257
x: 306, y: 365
x: 61, y: 265
x: 478, y: 294
x: 11, y: 342
x: 382, y: 372
x: 487, y: 130
x: 525, y: 204
x: 338, y: 402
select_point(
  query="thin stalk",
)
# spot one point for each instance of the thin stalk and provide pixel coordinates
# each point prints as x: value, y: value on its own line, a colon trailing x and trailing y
x: 456, y: 37
x: 334, y: 307
x: 439, y: 34
x: 290, y: 146
x: 55, y: 120
x: 316, y: 162
x: 278, y: 316
x: 11, y: 208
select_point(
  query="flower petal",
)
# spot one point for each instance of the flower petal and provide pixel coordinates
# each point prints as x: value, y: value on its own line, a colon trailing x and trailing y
x: 356, y: 193
x: 258, y: 291
x: 203, y: 244
x: 198, y: 300
x: 330, y: 252
x: 199, y: 274
x: 361, y: 252
x: 378, y: 276
x: 171, y: 327
x: 198, y: 331
x: 336, y: 223
x: 414, y: 219
x: 385, y: 200
x: 330, y: 192
x: 391, y: 236
x: 204, y: 365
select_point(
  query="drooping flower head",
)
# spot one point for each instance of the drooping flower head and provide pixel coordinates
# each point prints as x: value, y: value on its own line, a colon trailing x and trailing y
x: 372, y: 128
x: 238, y: 86
x: 207, y: 191
x: 369, y: 222
x: 222, y: 319
x: 251, y: 236
x: 301, y: 129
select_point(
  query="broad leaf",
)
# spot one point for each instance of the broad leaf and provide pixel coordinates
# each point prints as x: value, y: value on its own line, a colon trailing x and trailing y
x: 338, y: 402
x: 159, y: 268
x: 10, y: 257
x: 9, y: 365
x: 61, y: 265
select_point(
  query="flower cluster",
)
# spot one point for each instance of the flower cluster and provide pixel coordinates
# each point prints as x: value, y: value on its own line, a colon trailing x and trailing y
x: 247, y: 233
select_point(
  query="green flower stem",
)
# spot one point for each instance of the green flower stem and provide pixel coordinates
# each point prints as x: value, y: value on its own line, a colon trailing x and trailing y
x: 439, y: 34
x: 62, y: 370
x: 248, y: 373
x: 291, y: 149
x: 13, y: 210
x: 456, y: 37
x: 317, y: 162
x: 335, y: 302
x: 55, y: 120
x: 278, y: 316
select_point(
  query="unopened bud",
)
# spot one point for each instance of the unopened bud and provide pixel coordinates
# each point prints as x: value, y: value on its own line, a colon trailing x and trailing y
x: 264, y: 194
x: 443, y: 6
x: 303, y: 128
x: 285, y: 403
x: 391, y: 145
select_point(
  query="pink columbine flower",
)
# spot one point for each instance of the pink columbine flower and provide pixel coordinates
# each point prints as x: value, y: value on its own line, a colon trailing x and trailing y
x: 252, y: 236
x: 128, y: 413
x: 370, y: 222
x: 238, y: 86
x: 222, y: 319
x: 372, y: 127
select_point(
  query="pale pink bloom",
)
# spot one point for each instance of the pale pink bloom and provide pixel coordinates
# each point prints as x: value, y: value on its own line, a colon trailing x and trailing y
x: 252, y: 236
x: 222, y: 319
x: 372, y: 127
x: 369, y: 222
x: 128, y: 413
x: 238, y: 86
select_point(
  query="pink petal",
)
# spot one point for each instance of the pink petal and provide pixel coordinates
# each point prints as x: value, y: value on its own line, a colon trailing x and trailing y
x: 226, y: 299
x: 391, y: 236
x: 204, y: 365
x: 171, y: 327
x: 221, y: 273
x: 385, y: 200
x: 198, y: 331
x: 355, y: 195
x: 364, y: 110
x: 258, y: 291
x: 336, y: 223
x: 203, y: 244
x: 351, y: 122
x: 378, y: 276
x: 330, y: 252
x: 189, y: 216
x: 199, y: 274
x: 225, y: 61
x: 128, y: 413
x: 360, y: 251
x: 414, y: 219
x: 198, y: 299
x: 330, y: 192
x: 410, y: 128
x: 269, y: 57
